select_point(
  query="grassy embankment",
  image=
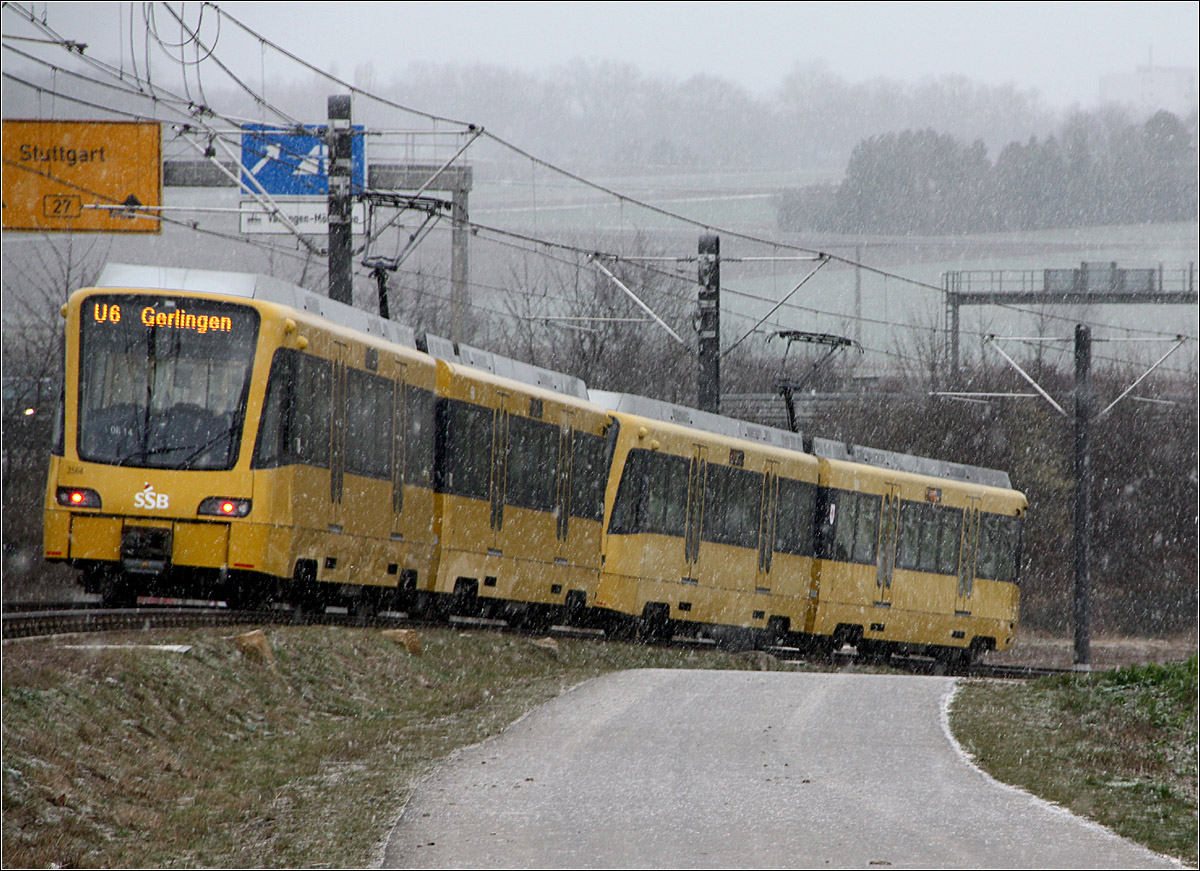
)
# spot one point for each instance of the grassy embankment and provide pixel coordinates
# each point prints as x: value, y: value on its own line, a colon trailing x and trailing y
x: 138, y: 756
x: 142, y: 757
x: 1119, y: 747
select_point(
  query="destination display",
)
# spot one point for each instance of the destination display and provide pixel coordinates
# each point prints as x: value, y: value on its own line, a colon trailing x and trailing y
x: 178, y: 319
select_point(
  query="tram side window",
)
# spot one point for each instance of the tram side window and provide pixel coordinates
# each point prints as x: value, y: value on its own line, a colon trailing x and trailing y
x: 929, y: 538
x: 985, y: 554
x: 951, y: 521
x: 731, y: 506
x: 844, y: 524
x: 794, y: 528
x: 58, y: 441
x: 589, y: 475
x: 627, y: 507
x: 855, y: 527
x: 940, y: 545
x: 914, y: 517
x: 418, y: 446
x: 532, y: 464
x: 463, y: 465
x: 666, y: 495
x: 271, y: 446
x: 866, y: 533
x: 652, y: 495
x: 294, y: 427
x: 998, y: 556
x: 369, y: 421
x: 1010, y: 559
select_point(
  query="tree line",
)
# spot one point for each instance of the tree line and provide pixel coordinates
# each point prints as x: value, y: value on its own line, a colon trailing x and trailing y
x: 603, y: 116
x: 1102, y: 169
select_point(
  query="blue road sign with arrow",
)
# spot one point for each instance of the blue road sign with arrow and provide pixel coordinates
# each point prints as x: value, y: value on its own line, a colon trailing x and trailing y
x: 294, y: 162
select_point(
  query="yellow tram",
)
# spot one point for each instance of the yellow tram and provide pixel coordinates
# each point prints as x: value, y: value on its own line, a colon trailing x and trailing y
x: 232, y: 436
x: 914, y: 555
x: 229, y: 436
x: 708, y: 526
x: 747, y: 534
x: 521, y: 469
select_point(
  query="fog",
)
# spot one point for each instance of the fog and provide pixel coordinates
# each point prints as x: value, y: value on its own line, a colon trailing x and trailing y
x: 1061, y: 50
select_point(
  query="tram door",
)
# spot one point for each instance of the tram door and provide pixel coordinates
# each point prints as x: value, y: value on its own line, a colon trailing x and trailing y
x: 968, y: 547
x: 337, y: 444
x: 499, y: 471
x: 694, y: 513
x: 767, y: 518
x: 562, y: 498
x: 885, y: 558
x: 399, y: 445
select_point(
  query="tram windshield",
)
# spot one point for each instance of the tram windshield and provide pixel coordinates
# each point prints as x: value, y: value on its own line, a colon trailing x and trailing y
x: 163, y: 382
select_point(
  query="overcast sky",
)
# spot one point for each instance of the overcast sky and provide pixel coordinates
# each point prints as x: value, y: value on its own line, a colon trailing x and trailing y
x: 1059, y: 49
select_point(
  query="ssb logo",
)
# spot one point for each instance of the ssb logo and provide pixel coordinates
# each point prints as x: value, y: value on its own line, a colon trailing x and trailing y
x: 149, y: 499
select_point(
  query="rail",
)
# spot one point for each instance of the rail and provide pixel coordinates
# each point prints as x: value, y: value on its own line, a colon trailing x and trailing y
x: 41, y: 619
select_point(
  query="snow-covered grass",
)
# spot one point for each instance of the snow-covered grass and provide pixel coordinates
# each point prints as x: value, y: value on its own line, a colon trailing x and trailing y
x: 143, y: 756
x: 1119, y: 747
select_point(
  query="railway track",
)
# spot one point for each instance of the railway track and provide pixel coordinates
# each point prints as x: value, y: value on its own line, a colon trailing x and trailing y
x: 32, y: 619
x: 39, y: 619
x: 56, y: 620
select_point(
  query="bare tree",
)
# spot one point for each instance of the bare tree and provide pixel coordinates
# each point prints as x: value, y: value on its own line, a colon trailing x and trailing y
x: 571, y: 316
x: 39, y: 275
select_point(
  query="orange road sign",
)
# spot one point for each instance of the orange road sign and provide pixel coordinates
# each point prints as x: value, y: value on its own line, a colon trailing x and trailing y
x: 67, y: 175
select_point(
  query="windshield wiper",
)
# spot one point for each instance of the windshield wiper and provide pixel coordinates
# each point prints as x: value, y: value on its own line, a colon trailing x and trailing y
x: 229, y: 432
x: 140, y: 453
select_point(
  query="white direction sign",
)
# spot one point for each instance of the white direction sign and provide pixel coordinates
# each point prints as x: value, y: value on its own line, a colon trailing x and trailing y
x: 309, y: 216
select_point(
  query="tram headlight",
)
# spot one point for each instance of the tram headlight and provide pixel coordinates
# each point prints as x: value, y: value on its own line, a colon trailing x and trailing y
x: 220, y: 506
x: 78, y: 497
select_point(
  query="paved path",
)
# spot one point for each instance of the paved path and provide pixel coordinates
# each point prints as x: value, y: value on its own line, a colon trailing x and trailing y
x: 692, y: 769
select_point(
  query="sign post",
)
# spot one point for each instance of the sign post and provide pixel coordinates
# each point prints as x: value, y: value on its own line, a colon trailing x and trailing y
x: 710, y: 323
x: 291, y: 166
x: 340, y: 142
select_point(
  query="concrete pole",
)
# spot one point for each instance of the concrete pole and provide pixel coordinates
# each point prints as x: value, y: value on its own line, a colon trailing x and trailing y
x: 710, y: 323
x: 459, y: 264
x: 1083, y: 492
x: 858, y: 294
x: 341, y: 166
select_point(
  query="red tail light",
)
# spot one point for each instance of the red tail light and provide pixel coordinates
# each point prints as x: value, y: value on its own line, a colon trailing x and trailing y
x: 78, y: 497
x: 218, y: 506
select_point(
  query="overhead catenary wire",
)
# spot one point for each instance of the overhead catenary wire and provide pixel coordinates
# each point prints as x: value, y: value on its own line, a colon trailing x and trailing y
x: 212, y: 137
x: 188, y: 109
x: 778, y: 305
x: 42, y: 89
x: 155, y: 92
x: 546, y: 164
x: 144, y: 86
x: 236, y: 80
x: 649, y: 264
x: 616, y: 257
x: 264, y: 41
x: 185, y: 106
